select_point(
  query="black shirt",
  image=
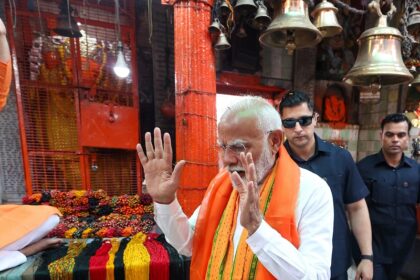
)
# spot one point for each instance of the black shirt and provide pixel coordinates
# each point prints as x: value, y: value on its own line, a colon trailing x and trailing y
x: 336, y: 166
x: 394, y: 193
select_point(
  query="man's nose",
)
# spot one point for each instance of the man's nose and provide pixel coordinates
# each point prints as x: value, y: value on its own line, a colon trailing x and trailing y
x: 395, y: 138
x: 229, y: 157
x: 298, y: 127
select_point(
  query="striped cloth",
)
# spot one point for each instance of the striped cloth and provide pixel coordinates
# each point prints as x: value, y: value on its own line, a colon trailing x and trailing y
x: 104, y: 259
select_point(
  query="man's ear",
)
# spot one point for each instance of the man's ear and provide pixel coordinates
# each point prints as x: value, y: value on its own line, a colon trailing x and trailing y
x: 275, y: 139
x: 316, y: 118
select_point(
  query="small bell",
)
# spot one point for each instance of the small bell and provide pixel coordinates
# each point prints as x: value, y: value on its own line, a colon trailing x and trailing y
x: 222, y: 42
x: 66, y: 25
x: 245, y: 7
x: 416, y: 81
x: 413, y: 25
x: 224, y: 8
x: 262, y: 18
x: 325, y: 19
x: 215, y: 27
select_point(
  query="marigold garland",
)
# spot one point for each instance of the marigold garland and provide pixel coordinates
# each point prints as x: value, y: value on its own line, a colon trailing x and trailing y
x: 88, y: 214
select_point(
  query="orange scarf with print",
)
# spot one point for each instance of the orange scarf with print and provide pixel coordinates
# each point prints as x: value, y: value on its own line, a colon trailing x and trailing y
x: 213, y: 256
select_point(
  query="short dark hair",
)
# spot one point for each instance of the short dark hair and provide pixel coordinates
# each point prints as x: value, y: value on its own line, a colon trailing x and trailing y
x: 294, y: 98
x: 396, y: 118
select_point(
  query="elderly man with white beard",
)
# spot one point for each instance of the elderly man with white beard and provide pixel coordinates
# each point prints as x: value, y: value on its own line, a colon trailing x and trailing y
x: 262, y: 216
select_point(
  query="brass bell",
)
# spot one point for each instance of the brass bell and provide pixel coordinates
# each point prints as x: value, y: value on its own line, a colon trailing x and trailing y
x: 222, y: 42
x: 291, y: 28
x: 416, y: 81
x: 262, y: 18
x: 413, y: 25
x: 245, y: 7
x: 224, y: 8
x: 66, y: 25
x: 379, y: 59
x: 215, y: 27
x: 325, y: 19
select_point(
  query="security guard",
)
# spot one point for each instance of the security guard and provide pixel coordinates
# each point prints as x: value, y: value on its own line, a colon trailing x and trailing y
x: 393, y: 180
x: 337, y: 167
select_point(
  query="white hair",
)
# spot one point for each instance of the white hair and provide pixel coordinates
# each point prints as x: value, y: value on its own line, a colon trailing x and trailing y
x: 268, y: 119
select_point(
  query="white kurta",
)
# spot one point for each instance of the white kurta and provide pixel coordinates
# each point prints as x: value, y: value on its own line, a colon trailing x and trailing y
x: 315, y: 221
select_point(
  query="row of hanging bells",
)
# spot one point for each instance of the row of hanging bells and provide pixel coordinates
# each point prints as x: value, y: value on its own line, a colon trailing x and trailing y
x: 290, y: 28
x: 379, y: 60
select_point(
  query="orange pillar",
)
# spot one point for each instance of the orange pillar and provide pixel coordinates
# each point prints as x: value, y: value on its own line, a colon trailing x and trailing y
x: 195, y: 89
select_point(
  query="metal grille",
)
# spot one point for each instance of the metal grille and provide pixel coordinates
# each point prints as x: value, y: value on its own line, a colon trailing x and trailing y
x: 54, y: 170
x: 50, y: 119
x: 113, y: 171
x: 55, y: 74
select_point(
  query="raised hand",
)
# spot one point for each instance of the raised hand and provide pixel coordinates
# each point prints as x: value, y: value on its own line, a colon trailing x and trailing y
x: 161, y: 181
x: 2, y: 28
x: 4, y: 46
x: 248, y: 194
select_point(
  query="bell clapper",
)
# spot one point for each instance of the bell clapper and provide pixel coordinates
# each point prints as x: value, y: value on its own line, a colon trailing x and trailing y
x: 290, y: 43
x: 375, y: 88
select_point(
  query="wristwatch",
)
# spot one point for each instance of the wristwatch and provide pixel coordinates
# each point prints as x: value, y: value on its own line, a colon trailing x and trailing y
x: 367, y: 257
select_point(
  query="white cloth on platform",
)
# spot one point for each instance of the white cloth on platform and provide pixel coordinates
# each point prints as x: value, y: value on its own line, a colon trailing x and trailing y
x: 10, y: 256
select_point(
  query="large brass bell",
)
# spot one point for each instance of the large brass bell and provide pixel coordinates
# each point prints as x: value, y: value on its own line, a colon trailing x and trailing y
x: 245, y: 7
x: 215, y: 27
x: 66, y: 25
x: 413, y: 25
x: 379, y: 59
x: 262, y: 19
x: 325, y: 19
x: 291, y: 28
x: 222, y: 42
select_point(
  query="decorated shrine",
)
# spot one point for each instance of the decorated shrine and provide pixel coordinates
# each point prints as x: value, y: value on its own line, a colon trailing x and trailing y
x: 91, y: 77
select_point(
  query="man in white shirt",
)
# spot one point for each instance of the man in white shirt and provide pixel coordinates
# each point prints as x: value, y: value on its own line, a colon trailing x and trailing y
x: 262, y: 217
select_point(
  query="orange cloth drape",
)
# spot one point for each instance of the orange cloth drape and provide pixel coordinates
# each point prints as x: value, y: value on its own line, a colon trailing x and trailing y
x: 5, y: 80
x: 280, y: 213
x: 18, y: 220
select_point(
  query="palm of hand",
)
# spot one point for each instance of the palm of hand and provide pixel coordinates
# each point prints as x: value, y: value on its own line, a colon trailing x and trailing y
x: 2, y: 28
x: 159, y: 181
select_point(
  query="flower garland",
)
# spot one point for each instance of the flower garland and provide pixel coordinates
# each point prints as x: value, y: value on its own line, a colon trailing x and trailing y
x: 88, y: 214
x: 412, y: 62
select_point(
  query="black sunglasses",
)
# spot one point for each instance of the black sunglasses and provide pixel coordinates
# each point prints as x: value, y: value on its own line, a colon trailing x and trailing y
x: 303, y: 121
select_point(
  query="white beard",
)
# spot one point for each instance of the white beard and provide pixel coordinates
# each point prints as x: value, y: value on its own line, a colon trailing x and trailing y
x: 262, y: 166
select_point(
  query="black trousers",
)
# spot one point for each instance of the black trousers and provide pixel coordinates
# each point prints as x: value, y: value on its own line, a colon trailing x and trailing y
x: 382, y: 271
x: 340, y: 277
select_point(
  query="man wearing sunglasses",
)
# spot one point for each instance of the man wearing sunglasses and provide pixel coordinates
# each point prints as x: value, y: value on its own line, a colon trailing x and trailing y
x: 393, y: 181
x: 262, y: 216
x: 338, y: 169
